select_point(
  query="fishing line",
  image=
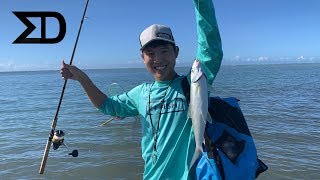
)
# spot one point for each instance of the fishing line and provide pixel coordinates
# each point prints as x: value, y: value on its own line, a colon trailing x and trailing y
x: 113, y: 89
x: 55, y: 119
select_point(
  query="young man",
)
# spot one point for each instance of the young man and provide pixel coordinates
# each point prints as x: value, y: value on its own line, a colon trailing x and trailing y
x: 168, y: 141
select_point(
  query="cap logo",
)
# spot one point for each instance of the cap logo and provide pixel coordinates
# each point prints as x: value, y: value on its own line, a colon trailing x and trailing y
x: 165, y: 36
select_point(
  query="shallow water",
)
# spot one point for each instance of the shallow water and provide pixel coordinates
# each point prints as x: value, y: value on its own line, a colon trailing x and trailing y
x: 280, y: 102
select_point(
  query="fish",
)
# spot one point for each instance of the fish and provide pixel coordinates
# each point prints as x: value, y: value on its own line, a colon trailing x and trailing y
x: 198, y: 107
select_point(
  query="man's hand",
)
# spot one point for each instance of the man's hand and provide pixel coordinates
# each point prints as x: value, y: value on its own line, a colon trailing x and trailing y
x: 71, y: 72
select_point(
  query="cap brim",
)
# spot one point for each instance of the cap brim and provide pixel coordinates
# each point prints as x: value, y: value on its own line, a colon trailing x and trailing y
x: 156, y: 39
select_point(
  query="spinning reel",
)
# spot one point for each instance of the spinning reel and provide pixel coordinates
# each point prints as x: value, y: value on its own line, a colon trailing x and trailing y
x: 58, y: 140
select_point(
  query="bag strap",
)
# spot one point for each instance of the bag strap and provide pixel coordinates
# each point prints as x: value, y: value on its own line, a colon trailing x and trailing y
x: 186, y: 88
x: 214, y: 154
x: 262, y: 167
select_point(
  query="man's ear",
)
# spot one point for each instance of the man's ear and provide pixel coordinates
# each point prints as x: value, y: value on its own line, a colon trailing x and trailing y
x: 142, y: 57
x: 177, y: 51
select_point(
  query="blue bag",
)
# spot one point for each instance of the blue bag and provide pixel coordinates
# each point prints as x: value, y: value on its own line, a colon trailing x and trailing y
x: 230, y: 149
x: 230, y: 152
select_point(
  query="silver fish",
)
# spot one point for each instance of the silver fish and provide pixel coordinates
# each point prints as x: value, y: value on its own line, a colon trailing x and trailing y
x: 198, y: 107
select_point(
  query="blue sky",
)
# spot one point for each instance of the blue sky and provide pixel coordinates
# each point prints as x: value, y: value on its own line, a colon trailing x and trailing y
x: 265, y: 31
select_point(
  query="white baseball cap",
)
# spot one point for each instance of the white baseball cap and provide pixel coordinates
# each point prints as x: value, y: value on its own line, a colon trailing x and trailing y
x: 155, y: 32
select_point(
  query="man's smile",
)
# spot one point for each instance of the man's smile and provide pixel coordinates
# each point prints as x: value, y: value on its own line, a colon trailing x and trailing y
x: 160, y: 67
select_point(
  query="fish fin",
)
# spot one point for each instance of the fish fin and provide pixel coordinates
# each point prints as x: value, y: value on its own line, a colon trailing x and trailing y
x: 203, y: 118
x: 196, y: 155
x: 209, y: 119
x: 190, y: 112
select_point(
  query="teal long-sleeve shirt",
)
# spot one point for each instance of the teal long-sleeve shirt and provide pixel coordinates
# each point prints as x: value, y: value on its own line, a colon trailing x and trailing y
x: 163, y: 107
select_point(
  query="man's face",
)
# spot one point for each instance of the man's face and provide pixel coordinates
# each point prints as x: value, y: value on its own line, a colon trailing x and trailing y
x: 160, y: 61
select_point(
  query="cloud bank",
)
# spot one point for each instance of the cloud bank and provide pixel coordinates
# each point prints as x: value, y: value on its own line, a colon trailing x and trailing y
x: 237, y: 60
x: 11, y: 65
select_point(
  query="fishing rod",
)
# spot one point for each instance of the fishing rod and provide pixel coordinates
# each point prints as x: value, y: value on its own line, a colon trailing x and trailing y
x: 56, y: 137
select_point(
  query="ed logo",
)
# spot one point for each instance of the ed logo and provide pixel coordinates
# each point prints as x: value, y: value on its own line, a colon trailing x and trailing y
x: 23, y: 16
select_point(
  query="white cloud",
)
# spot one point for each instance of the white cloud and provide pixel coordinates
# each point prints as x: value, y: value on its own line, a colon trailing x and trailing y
x: 135, y: 61
x: 263, y: 58
x: 236, y: 58
x: 11, y: 65
x: 301, y: 58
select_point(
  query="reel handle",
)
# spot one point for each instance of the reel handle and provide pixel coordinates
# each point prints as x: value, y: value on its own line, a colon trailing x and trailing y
x: 74, y: 153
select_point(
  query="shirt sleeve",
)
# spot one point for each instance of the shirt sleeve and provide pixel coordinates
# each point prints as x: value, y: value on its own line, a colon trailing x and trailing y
x: 123, y: 105
x: 209, y: 50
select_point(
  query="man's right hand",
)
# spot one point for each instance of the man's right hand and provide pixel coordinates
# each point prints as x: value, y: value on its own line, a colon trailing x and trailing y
x: 71, y: 72
x: 96, y: 96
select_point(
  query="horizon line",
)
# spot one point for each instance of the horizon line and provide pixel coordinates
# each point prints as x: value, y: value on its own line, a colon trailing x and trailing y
x: 178, y: 66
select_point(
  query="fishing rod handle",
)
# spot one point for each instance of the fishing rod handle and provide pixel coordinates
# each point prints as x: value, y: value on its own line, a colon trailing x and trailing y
x: 45, y: 157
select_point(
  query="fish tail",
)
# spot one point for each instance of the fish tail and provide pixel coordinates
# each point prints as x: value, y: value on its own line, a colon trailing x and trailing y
x: 198, y: 151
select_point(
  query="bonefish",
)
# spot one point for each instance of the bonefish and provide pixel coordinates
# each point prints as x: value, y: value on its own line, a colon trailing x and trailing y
x: 198, y: 107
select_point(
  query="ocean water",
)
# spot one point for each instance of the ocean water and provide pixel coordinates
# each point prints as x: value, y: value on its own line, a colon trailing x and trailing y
x: 280, y: 102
